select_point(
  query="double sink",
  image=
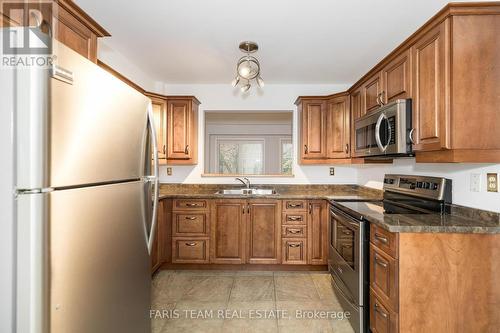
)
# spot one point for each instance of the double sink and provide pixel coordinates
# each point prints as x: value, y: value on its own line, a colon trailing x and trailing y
x: 247, y: 191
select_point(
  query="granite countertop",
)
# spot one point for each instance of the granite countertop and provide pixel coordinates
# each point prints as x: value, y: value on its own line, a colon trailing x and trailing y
x: 328, y: 192
x: 456, y: 222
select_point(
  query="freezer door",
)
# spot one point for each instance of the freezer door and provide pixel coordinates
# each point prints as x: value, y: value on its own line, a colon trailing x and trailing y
x: 99, y: 262
x: 78, y: 124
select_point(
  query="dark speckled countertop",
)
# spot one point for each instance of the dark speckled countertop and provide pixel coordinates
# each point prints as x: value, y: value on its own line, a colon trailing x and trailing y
x: 328, y: 192
x: 483, y: 222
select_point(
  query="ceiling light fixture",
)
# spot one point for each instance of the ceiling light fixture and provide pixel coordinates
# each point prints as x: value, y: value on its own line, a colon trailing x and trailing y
x: 248, y: 68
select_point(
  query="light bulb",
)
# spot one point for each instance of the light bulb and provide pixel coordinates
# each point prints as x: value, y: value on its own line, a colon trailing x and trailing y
x: 235, y: 82
x: 260, y: 82
x: 245, y: 71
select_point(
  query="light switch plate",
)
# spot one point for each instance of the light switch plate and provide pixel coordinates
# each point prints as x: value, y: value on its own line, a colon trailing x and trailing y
x: 492, y: 182
x: 475, y: 182
x: 332, y: 171
x: 169, y: 171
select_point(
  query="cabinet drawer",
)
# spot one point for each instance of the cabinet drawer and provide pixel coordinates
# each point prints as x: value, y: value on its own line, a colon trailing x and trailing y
x: 294, y: 218
x: 190, y: 250
x: 294, y: 251
x: 190, y: 224
x: 382, y: 319
x: 295, y: 205
x: 384, y: 240
x: 293, y: 231
x: 384, y: 276
x: 190, y: 204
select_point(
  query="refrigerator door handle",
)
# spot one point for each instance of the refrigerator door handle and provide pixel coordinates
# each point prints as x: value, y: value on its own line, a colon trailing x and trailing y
x: 153, y: 178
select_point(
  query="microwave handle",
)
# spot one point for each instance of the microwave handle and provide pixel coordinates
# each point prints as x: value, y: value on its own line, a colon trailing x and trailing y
x: 377, y: 133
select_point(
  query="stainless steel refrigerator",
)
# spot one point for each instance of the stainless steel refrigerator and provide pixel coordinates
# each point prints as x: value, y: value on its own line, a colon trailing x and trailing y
x: 84, y: 197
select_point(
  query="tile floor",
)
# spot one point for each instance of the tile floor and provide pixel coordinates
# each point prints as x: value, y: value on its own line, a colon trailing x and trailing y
x: 244, y: 301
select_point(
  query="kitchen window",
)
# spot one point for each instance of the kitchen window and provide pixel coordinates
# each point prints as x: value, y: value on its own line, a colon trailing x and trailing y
x: 240, y: 156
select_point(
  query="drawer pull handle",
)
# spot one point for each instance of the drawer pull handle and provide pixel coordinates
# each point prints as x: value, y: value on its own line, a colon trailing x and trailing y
x: 346, y: 232
x: 380, y: 262
x: 381, y: 239
x: 310, y: 208
x: 192, y: 204
x: 295, y: 218
x: 382, y: 313
x: 191, y: 218
x: 292, y: 205
x: 294, y: 245
x: 186, y: 150
x: 295, y: 231
x: 191, y: 244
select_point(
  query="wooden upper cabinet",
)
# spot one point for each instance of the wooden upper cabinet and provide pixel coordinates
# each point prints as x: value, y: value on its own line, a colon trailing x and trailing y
x: 227, y: 244
x: 430, y: 114
x: 338, y: 127
x: 313, y: 133
x: 371, y: 91
x: 357, y: 109
x: 264, y: 231
x: 159, y: 104
x: 317, y: 225
x: 182, y: 132
x: 68, y: 23
x: 396, y: 78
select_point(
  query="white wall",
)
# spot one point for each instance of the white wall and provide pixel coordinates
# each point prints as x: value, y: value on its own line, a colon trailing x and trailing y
x: 219, y: 97
x: 372, y: 176
x: 124, y: 66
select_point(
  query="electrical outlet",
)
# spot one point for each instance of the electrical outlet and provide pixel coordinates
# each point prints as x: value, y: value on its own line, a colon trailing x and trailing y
x: 332, y: 171
x: 492, y: 182
x: 475, y: 182
x: 169, y: 171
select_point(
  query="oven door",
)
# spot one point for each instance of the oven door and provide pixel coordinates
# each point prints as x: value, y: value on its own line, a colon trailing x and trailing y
x: 346, y: 253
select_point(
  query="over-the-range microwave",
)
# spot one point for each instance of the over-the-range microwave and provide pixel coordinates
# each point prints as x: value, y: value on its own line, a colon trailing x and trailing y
x: 386, y: 132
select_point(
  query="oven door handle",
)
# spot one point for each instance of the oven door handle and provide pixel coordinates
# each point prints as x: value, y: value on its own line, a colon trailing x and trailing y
x: 344, y: 218
x: 377, y: 132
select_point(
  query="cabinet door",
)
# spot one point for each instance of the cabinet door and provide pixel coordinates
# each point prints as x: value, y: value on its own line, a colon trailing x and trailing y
x: 371, y: 93
x: 430, y: 118
x: 227, y: 244
x: 357, y: 110
x: 396, y: 78
x: 317, y: 224
x: 160, y: 119
x: 313, y: 132
x: 264, y: 234
x: 179, y: 120
x: 338, y: 127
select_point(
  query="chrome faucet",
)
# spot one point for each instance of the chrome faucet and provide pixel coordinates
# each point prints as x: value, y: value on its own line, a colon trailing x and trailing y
x: 245, y: 181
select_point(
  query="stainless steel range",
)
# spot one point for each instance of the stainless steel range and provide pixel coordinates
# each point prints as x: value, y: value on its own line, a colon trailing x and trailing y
x: 348, y: 242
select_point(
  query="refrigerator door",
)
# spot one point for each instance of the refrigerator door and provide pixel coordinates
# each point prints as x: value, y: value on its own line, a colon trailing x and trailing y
x: 77, y: 125
x: 98, y: 258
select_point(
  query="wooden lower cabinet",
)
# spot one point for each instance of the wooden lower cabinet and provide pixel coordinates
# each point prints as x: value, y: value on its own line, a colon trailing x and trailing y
x: 317, y: 225
x: 228, y: 231
x: 434, y: 282
x: 160, y: 253
x: 264, y: 231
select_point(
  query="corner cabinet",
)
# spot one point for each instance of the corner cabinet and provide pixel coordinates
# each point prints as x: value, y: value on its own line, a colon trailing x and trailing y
x: 159, y: 104
x: 182, y: 130
x: 324, y: 129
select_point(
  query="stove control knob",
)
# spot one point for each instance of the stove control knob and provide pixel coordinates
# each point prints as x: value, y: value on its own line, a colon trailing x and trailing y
x: 426, y: 185
x: 434, y: 186
x: 419, y: 184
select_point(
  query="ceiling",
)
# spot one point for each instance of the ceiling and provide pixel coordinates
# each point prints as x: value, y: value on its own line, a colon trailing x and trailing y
x: 313, y: 41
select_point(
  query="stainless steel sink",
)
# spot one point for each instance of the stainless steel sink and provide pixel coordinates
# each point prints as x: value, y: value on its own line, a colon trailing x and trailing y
x: 247, y: 191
